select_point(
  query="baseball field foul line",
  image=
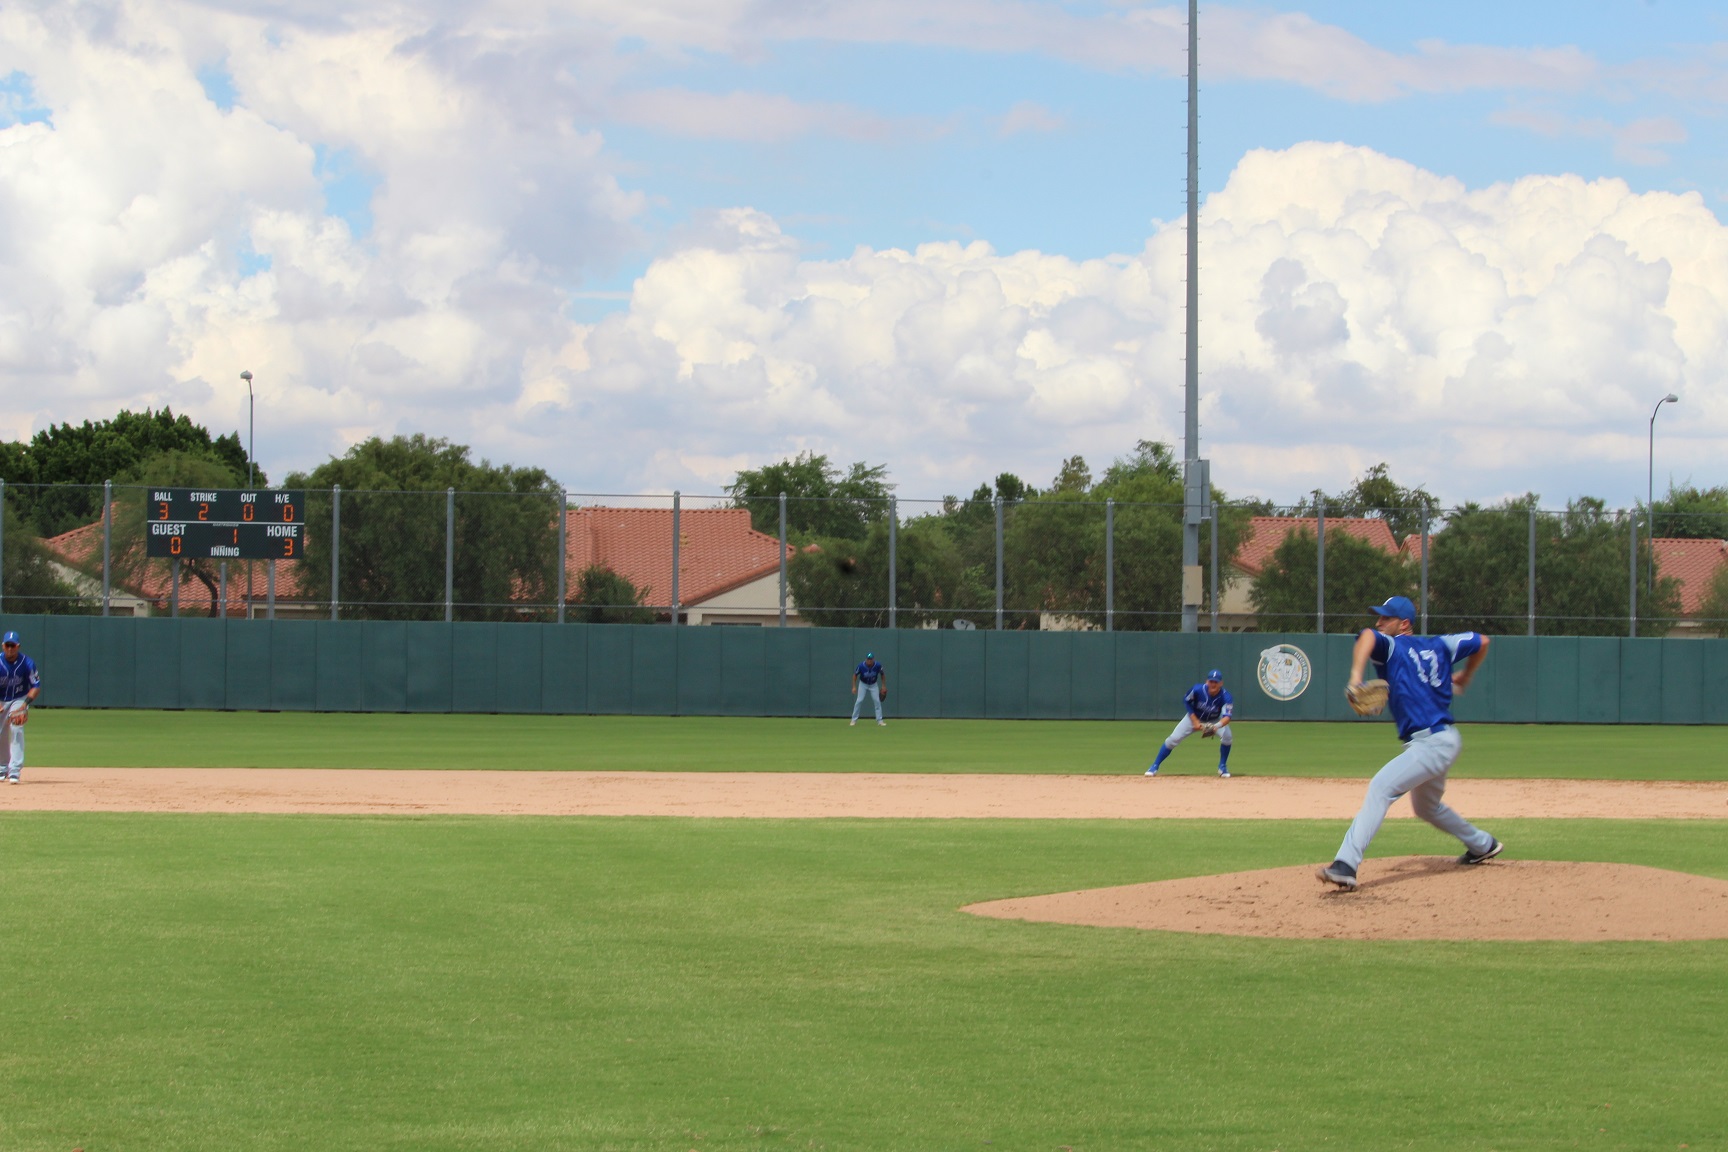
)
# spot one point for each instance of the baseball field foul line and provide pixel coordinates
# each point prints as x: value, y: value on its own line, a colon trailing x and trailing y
x: 791, y: 795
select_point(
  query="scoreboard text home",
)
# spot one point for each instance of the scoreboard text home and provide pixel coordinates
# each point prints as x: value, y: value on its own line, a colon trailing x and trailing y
x: 225, y: 523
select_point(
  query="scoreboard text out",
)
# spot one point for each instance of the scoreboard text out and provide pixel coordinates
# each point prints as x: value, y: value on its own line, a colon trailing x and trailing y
x: 225, y: 523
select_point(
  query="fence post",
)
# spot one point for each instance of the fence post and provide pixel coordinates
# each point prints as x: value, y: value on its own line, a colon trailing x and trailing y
x: 270, y: 590
x: 782, y: 559
x: 222, y: 586
x: 1530, y: 578
x: 2, y: 545
x: 1213, y: 510
x: 998, y: 563
x: 676, y: 499
x: 1320, y: 567
x: 1632, y: 586
x: 893, y: 560
x: 174, y: 587
x: 107, y: 545
x: 1110, y: 565
x: 563, y: 550
x: 1424, y: 571
x: 449, y: 554
x: 335, y: 548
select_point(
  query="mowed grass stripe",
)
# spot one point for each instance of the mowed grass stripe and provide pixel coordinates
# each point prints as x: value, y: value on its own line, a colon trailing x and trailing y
x: 147, y: 739
x: 193, y: 982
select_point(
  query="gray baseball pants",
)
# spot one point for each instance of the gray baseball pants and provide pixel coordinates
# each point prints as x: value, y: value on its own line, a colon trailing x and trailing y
x: 1419, y: 770
x: 875, y: 698
x: 14, y: 734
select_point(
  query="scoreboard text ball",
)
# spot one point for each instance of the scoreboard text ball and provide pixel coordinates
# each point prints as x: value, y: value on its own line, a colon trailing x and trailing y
x: 225, y: 523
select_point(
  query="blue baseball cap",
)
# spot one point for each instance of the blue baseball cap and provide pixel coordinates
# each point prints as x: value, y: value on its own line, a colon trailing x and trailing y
x: 1215, y: 675
x: 869, y: 655
x: 9, y: 638
x: 1398, y: 606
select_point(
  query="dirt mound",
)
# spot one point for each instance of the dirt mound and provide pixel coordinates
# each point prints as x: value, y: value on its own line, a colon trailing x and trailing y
x: 1406, y: 898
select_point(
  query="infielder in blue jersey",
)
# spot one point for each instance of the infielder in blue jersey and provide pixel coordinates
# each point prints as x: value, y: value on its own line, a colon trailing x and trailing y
x: 1418, y: 671
x: 869, y: 679
x: 19, y: 685
x: 1209, y: 708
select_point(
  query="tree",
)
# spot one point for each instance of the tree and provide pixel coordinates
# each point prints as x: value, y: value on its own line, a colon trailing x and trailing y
x: 1714, y: 610
x: 31, y: 582
x: 1479, y: 572
x: 1357, y: 575
x: 1694, y: 513
x: 821, y: 500
x: 72, y: 455
x: 844, y: 583
x: 1376, y: 495
x: 602, y: 596
x: 393, y: 531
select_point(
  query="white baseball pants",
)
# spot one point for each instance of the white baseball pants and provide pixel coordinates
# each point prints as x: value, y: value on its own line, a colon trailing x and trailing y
x: 1185, y: 728
x: 15, y: 737
x: 867, y: 690
x: 1421, y: 771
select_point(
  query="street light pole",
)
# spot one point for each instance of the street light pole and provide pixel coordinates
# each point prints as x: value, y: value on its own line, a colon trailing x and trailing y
x: 251, y: 457
x: 1650, y: 483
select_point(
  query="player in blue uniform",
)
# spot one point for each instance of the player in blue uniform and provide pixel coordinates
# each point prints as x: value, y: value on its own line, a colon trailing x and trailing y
x: 865, y: 680
x: 19, y: 685
x: 1209, y: 709
x: 1420, y: 681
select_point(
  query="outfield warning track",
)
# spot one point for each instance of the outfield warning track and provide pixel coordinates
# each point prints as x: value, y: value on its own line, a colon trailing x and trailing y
x: 804, y: 795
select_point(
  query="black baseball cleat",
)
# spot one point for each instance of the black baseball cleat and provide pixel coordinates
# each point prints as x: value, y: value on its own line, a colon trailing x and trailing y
x: 1339, y: 873
x: 1494, y: 850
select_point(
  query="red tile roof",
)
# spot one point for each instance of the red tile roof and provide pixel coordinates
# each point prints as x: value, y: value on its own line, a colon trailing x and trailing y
x: 1694, y: 563
x: 1267, y: 532
x: 81, y: 548
x: 717, y: 550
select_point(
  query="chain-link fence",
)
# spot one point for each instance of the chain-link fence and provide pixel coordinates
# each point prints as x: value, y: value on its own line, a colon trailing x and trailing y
x: 1057, y: 560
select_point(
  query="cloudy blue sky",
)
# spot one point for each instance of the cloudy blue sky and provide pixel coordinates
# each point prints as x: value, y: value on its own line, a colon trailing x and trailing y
x: 647, y: 242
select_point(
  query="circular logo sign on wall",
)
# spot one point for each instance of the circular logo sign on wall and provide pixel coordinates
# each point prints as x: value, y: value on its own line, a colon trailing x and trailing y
x: 1285, y: 672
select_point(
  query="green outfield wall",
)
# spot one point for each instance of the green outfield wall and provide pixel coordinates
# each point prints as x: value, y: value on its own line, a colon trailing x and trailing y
x: 382, y: 666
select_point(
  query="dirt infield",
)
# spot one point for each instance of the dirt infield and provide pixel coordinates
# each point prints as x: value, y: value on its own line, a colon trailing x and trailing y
x: 1406, y: 898
x: 806, y: 795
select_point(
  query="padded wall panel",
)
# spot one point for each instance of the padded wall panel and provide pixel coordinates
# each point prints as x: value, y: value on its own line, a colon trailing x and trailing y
x: 1556, y: 685
x: 743, y: 671
x: 248, y: 664
x: 701, y: 665
x: 293, y: 666
x: 611, y: 667
x: 653, y: 670
x: 786, y: 671
x: 1640, y: 681
x: 384, y: 657
x: 1598, y: 679
x: 156, y: 676
x: 564, y: 669
x: 521, y: 666
x: 471, y: 668
x: 915, y: 683
x: 834, y: 652
x: 963, y: 672
x: 340, y: 652
x: 1007, y: 662
x: 204, y: 661
x: 429, y: 668
x: 1050, y: 676
x: 1682, y: 682
x: 1092, y: 676
x: 65, y: 661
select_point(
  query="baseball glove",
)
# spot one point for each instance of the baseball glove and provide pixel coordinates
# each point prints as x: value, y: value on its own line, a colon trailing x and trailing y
x: 18, y: 717
x: 1208, y: 731
x: 882, y: 692
x: 1367, y: 698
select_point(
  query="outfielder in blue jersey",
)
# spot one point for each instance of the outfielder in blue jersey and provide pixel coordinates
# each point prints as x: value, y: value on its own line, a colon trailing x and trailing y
x: 1209, y: 708
x: 19, y: 685
x: 869, y: 679
x: 1420, y: 680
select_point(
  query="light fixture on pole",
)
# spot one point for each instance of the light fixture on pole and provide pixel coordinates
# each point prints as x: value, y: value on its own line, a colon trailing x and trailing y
x: 1650, y: 485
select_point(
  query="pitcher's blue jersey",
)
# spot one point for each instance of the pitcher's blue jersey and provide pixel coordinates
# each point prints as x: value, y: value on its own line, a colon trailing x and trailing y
x: 1209, y: 708
x: 1418, y: 671
x: 868, y: 673
x: 17, y: 677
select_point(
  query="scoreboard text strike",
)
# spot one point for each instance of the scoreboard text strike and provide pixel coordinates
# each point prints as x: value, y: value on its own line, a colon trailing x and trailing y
x: 225, y: 523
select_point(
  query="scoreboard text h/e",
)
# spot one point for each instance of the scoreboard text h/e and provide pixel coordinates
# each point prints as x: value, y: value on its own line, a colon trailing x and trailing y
x: 225, y: 523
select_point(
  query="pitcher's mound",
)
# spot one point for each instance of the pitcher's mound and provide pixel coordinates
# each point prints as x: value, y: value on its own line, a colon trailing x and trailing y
x: 1406, y: 898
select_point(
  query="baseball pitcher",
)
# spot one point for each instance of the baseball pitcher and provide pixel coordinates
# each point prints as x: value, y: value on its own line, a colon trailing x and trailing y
x: 1416, y: 680
x: 1209, y: 708
x: 19, y: 685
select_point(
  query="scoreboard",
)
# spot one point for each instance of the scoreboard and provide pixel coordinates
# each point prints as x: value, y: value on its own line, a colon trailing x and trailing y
x: 225, y: 523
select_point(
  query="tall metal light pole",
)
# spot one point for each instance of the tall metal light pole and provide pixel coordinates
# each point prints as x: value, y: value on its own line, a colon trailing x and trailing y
x: 1650, y: 483
x: 251, y: 457
x: 1191, y: 510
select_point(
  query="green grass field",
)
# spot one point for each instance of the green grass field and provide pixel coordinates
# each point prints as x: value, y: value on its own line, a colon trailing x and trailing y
x: 67, y: 737
x: 201, y: 982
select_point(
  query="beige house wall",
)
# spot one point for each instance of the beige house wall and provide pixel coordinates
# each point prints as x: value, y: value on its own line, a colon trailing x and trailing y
x: 757, y: 602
